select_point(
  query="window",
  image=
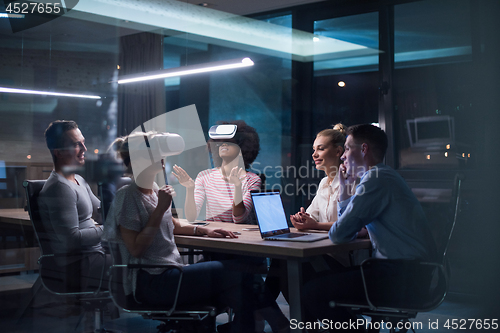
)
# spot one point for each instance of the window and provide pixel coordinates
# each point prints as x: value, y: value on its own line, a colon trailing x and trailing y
x: 432, y: 81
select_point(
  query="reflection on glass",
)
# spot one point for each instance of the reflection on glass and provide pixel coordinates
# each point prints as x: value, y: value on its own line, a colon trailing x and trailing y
x: 346, y: 87
x: 359, y: 29
x: 430, y: 32
x: 431, y: 132
x: 432, y: 88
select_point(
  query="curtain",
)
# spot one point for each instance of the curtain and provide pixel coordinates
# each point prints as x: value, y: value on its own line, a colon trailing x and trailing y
x: 141, y: 101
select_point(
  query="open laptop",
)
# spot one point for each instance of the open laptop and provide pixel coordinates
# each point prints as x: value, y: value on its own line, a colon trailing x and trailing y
x: 272, y: 221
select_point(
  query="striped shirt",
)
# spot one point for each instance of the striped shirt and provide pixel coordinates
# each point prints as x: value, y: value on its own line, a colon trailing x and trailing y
x: 219, y: 195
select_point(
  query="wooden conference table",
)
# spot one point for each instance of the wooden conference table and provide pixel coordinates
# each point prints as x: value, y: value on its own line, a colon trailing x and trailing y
x: 16, y: 216
x: 248, y: 243
x: 18, y: 219
x: 251, y: 244
x: 21, y: 254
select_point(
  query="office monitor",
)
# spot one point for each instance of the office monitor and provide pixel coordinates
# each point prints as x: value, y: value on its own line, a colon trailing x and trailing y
x: 431, y: 132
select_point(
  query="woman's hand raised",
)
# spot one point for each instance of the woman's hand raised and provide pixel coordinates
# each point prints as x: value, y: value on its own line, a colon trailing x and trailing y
x: 183, y: 177
x: 236, y: 175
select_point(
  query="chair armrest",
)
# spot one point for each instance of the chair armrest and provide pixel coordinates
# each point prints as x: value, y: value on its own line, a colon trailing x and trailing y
x: 74, y: 254
x: 134, y: 266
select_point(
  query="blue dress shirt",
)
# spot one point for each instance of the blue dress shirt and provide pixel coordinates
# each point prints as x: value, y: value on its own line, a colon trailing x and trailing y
x: 395, y: 221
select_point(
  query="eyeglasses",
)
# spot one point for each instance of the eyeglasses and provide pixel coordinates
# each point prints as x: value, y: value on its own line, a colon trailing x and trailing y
x: 227, y: 143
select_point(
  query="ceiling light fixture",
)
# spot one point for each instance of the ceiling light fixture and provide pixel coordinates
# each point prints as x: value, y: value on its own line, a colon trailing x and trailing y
x: 48, y: 93
x: 187, y: 70
x: 17, y: 16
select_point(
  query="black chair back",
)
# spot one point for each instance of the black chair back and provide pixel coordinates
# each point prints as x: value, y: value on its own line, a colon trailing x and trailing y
x: 107, y: 193
x: 33, y: 188
x: 51, y: 277
x: 405, y: 285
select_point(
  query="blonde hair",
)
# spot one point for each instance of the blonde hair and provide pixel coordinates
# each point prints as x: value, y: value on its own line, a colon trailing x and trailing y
x: 120, y: 146
x: 336, y: 135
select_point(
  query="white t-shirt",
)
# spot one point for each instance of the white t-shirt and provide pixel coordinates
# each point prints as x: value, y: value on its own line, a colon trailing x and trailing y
x: 131, y: 209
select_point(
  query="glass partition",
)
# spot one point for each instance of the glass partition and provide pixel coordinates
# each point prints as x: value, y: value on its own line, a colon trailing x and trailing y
x: 346, y: 87
x: 433, y: 67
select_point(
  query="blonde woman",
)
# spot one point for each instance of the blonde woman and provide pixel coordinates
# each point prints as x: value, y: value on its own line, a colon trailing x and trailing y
x: 328, y: 147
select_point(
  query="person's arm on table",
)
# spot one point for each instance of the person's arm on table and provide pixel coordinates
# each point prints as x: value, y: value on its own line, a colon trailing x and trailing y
x: 303, y: 220
x: 182, y: 228
x: 310, y: 219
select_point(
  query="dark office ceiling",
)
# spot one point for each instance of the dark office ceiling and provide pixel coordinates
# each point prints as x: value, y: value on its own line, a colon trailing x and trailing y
x: 95, y: 33
x: 442, y: 29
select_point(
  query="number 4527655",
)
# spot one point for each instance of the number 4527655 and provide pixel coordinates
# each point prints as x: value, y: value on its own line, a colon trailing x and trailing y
x: 33, y: 7
x: 468, y: 324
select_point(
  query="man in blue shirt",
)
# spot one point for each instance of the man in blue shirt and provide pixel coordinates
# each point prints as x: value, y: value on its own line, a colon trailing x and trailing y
x: 382, y: 202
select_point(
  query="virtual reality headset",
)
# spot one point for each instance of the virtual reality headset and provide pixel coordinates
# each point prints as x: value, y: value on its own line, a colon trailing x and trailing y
x: 166, y: 144
x: 219, y: 132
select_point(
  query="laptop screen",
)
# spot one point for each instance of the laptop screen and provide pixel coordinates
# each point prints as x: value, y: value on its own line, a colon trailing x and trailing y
x: 270, y: 213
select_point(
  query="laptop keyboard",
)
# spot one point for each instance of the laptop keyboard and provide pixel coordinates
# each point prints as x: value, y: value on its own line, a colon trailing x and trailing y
x: 294, y: 235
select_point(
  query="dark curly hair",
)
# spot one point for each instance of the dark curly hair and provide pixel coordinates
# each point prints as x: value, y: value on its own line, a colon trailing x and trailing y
x: 246, y: 138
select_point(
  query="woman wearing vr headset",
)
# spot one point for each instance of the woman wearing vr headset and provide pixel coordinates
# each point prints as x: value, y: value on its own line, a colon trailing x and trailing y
x: 140, y: 221
x: 225, y: 188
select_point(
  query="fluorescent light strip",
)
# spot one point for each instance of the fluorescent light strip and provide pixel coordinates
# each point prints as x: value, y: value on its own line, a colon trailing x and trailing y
x: 187, y: 70
x: 37, y: 92
x: 5, y: 15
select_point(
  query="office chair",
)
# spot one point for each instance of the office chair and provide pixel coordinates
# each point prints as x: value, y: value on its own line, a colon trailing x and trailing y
x: 53, y: 280
x: 425, y: 283
x: 200, y: 318
x: 107, y: 191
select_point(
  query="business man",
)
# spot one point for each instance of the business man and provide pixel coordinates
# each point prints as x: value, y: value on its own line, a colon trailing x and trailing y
x: 69, y: 209
x: 383, y: 203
